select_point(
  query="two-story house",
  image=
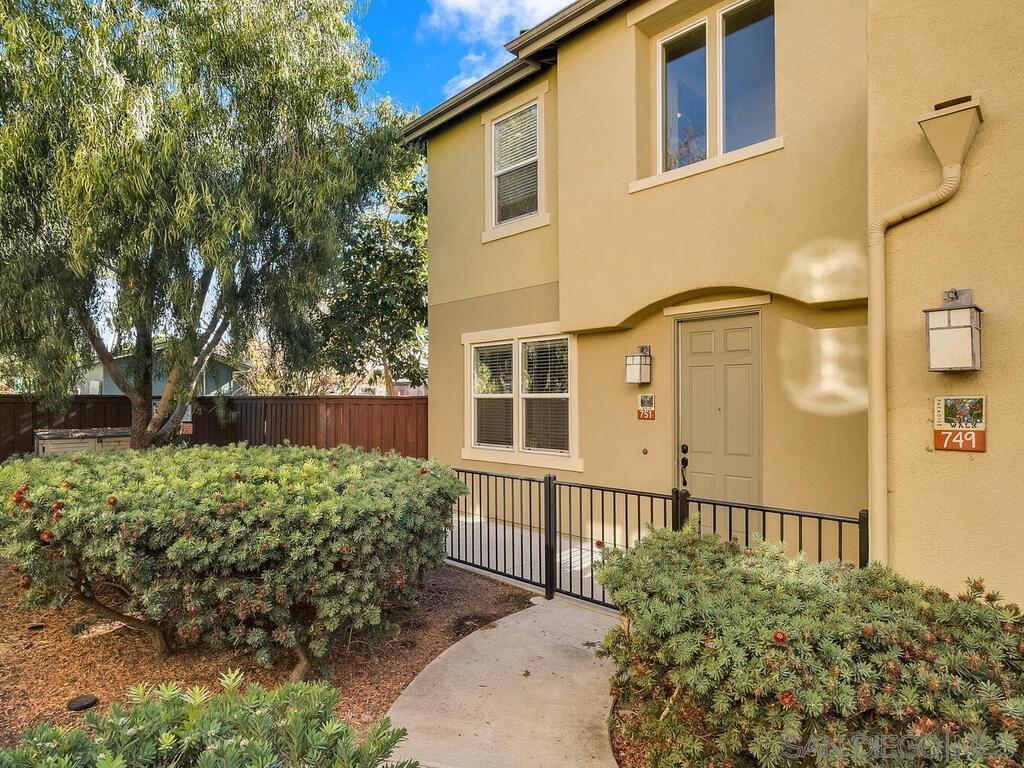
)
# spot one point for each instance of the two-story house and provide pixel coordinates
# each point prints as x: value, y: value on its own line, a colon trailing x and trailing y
x: 699, y: 179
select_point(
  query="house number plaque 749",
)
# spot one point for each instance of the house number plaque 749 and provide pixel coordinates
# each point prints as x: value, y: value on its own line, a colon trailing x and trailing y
x: 960, y: 424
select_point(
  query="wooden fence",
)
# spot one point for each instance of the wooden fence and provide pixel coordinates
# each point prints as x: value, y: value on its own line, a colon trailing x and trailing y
x: 21, y: 417
x: 374, y: 423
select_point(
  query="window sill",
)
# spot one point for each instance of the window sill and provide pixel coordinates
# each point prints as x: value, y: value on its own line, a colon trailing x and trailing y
x: 517, y: 227
x: 525, y: 459
x: 718, y: 161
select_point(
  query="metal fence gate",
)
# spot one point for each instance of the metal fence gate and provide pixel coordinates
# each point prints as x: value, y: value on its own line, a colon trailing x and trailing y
x: 550, y: 533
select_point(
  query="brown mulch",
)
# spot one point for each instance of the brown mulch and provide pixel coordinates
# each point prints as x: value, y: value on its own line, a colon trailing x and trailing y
x: 629, y: 753
x: 77, y: 652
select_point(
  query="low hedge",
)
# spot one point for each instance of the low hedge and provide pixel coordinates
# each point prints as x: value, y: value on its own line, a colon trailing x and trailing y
x: 292, y: 725
x: 255, y: 547
x: 741, y: 657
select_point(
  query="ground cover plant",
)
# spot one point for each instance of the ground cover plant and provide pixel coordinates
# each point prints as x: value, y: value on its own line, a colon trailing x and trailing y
x: 730, y: 656
x: 169, y: 726
x: 228, y: 546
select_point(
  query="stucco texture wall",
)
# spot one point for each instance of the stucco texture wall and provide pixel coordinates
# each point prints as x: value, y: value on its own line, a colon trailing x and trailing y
x: 952, y: 515
x: 814, y: 419
x: 461, y: 266
x: 790, y: 222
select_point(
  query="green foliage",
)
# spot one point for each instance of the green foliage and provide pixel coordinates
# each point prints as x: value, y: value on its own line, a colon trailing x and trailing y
x: 231, y: 546
x: 170, y: 727
x: 181, y: 170
x: 377, y: 306
x: 742, y: 657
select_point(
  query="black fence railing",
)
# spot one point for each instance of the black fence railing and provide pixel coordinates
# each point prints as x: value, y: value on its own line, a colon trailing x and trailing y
x: 550, y: 533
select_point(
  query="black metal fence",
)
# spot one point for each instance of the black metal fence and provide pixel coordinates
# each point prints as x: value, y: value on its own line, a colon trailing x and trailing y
x: 550, y: 533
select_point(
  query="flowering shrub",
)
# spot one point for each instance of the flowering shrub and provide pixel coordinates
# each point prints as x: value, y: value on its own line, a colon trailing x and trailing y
x: 166, y: 726
x: 256, y: 547
x: 741, y: 657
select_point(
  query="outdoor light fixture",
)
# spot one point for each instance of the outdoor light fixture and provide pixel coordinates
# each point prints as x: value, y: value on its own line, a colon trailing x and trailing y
x: 954, y: 333
x: 638, y: 366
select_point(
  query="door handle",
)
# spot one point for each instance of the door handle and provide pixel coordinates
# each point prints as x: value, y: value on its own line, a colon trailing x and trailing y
x: 684, y: 462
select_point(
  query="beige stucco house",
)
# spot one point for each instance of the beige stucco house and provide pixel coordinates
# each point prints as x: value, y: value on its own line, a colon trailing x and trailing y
x: 701, y: 179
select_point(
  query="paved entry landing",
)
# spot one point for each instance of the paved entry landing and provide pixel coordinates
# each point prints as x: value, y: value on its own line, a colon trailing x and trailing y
x: 525, y: 692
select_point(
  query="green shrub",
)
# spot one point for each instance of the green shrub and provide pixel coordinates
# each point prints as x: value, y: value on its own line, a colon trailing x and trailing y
x: 255, y: 547
x: 290, y: 726
x: 740, y: 657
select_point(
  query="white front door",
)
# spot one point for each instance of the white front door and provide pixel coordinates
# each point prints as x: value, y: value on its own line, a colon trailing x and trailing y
x: 720, y: 406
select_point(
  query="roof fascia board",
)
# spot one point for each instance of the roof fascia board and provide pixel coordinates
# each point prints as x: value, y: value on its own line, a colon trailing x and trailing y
x: 490, y: 86
x: 560, y: 25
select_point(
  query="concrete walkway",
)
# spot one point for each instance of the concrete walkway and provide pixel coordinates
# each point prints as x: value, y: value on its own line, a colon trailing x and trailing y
x: 526, y: 692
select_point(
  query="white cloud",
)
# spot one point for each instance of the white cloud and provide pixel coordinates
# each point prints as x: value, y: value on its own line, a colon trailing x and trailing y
x: 486, y: 25
x: 494, y: 22
x: 472, y: 67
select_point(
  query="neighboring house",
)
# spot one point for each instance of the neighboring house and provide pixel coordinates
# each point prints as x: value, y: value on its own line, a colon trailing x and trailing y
x: 699, y: 178
x: 403, y: 388
x: 218, y: 378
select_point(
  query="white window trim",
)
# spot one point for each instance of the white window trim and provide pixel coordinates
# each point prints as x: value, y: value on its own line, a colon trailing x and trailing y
x: 720, y: 57
x: 567, y: 461
x: 716, y: 157
x: 495, y: 174
x: 662, y: 138
x: 474, y: 396
x: 542, y: 218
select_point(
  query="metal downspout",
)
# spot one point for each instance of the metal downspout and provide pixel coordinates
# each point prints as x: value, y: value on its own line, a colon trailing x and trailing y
x: 878, y: 471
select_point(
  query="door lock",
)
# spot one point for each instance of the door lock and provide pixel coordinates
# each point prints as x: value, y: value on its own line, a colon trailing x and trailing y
x: 684, y: 462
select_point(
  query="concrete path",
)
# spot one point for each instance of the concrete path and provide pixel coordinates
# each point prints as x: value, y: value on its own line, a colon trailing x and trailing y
x: 526, y: 692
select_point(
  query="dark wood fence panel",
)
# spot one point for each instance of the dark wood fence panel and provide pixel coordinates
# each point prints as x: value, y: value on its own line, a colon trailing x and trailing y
x: 20, y: 417
x: 375, y: 423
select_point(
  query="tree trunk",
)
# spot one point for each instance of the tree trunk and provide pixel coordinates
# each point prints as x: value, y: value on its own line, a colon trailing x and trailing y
x: 389, y: 381
x: 298, y: 673
x: 140, y: 421
x: 160, y: 644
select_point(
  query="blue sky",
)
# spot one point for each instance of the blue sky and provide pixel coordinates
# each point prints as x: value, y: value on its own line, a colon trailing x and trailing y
x: 433, y: 48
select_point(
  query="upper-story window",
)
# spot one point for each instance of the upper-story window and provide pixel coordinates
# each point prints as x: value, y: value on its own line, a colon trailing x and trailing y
x: 516, y: 172
x: 736, y: 50
x: 686, y: 97
x: 748, y: 74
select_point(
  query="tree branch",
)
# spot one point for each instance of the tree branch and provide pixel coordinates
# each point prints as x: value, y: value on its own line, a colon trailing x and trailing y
x: 157, y: 634
x: 106, y: 359
x: 168, y: 427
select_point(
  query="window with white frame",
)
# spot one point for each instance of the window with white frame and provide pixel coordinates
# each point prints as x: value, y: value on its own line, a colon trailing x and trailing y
x: 520, y: 392
x: 748, y: 74
x: 516, y: 165
x: 740, y: 42
x: 493, y: 396
x: 685, y: 97
x: 545, y: 395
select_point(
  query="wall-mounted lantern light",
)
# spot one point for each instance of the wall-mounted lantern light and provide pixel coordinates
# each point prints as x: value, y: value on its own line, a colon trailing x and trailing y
x: 954, y: 333
x: 638, y: 366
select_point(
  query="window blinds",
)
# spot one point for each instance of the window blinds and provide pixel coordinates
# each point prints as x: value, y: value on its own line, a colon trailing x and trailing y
x: 516, y: 165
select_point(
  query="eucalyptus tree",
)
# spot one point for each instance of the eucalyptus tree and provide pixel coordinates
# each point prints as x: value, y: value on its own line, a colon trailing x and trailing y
x: 376, y: 309
x: 175, y: 171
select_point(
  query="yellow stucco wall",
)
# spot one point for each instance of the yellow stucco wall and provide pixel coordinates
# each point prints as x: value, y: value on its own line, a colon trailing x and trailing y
x: 800, y: 428
x: 461, y: 266
x: 952, y: 515
x: 791, y: 222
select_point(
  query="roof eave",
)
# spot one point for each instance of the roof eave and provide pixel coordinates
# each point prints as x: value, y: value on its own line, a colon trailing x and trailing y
x: 482, y: 90
x: 565, y: 22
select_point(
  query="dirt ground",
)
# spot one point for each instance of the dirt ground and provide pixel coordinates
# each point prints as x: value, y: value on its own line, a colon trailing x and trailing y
x: 47, y: 657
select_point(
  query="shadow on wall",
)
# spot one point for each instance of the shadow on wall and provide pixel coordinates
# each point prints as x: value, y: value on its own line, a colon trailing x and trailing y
x: 825, y: 370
